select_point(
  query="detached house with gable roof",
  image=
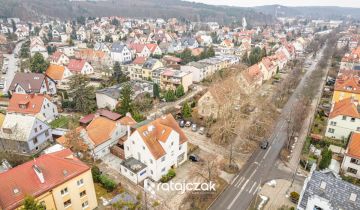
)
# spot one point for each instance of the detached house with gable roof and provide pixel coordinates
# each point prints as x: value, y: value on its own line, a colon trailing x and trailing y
x: 59, y: 58
x: 153, y: 148
x: 344, y: 118
x: 24, y: 134
x: 26, y: 83
x: 37, y: 105
x: 120, y: 53
x: 80, y: 67
x: 351, y: 161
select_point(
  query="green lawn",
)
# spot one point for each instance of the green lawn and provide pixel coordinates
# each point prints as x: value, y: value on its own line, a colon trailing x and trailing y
x: 61, y: 122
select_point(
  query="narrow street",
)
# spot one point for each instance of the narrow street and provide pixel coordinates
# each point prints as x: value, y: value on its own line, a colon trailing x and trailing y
x: 13, y: 66
x: 258, y: 169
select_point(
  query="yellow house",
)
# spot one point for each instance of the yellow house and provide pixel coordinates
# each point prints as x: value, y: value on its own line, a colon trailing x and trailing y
x: 57, y: 180
x: 346, y: 86
x: 149, y: 66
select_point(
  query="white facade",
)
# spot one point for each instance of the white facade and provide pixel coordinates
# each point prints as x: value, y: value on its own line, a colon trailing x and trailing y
x: 351, y: 166
x: 48, y: 111
x: 340, y: 127
x: 175, y: 154
x: 105, y: 101
x: 123, y: 56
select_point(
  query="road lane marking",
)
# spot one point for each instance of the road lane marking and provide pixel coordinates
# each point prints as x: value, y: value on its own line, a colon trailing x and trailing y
x: 267, y: 152
x: 252, y: 187
x: 239, y: 182
x: 242, y: 188
x: 232, y: 182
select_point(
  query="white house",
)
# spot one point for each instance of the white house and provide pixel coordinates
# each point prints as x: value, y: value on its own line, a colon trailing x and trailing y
x: 80, y: 66
x: 59, y: 58
x: 344, y: 118
x: 159, y: 145
x: 351, y: 161
x: 24, y: 134
x: 26, y: 83
x: 120, y: 53
x: 37, y: 105
x: 199, y: 70
x: 140, y: 50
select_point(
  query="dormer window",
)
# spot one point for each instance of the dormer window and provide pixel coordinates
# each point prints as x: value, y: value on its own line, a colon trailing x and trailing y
x: 22, y: 106
x: 353, y: 197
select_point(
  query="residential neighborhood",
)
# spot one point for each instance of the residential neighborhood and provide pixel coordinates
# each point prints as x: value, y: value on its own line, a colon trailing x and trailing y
x: 151, y: 111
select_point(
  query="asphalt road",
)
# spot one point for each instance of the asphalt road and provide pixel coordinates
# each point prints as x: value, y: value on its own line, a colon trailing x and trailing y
x: 13, y: 66
x: 245, y: 185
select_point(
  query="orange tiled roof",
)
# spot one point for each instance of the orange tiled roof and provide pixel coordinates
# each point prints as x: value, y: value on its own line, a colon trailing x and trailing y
x: 353, y: 149
x: 55, y: 72
x: 159, y: 130
x: 57, y: 168
x: 31, y: 104
x: 348, y: 81
x: 100, y: 129
x: 346, y: 107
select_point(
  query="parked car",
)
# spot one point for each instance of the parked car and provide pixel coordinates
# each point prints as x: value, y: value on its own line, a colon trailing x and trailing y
x: 264, y: 145
x: 182, y: 123
x: 194, y: 158
x: 194, y: 127
x: 188, y: 124
x: 202, y: 130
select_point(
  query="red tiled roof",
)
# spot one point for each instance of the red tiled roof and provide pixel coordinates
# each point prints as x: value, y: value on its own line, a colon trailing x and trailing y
x: 76, y: 65
x: 139, y: 60
x: 137, y: 47
x: 57, y: 168
x: 32, y: 103
x: 56, y: 56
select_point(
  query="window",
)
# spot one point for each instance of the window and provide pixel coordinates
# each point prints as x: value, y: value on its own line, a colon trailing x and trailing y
x: 172, y: 143
x: 344, y: 118
x: 85, y: 204
x: 355, y: 161
x: 82, y: 193
x: 163, y: 159
x: 162, y: 170
x: 127, y: 148
x: 331, y: 130
x: 35, y: 141
x: 333, y: 123
x: 358, y: 129
x: 80, y: 182
x: 151, y: 171
x: 352, y: 119
x: 143, y: 148
x: 64, y: 191
x: 180, y: 147
x: 67, y: 203
x: 351, y: 170
x: 35, y: 129
x: 46, y: 133
x: 151, y: 161
x: 40, y: 127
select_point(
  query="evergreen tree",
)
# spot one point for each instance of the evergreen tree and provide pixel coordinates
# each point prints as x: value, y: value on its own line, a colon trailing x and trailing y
x: 326, y: 156
x: 156, y: 90
x: 82, y: 94
x: 170, y: 95
x: 186, y: 111
x: 119, y: 77
x: 179, y: 91
x: 38, y: 64
x: 125, y: 99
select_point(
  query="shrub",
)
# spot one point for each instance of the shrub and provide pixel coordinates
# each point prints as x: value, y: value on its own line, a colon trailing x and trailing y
x: 96, y: 173
x: 107, y: 183
x: 294, y: 196
x: 167, y: 177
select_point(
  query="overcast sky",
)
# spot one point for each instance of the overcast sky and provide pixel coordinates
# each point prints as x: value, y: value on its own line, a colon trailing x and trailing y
x: 251, y: 3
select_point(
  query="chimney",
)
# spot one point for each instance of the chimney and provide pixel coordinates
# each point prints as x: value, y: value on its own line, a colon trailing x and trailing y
x: 39, y: 173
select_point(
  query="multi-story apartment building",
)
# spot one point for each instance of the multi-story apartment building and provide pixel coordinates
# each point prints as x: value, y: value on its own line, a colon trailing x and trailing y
x: 57, y: 181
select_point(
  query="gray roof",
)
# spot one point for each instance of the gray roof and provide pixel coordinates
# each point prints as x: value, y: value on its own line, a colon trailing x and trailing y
x: 188, y: 41
x: 117, y: 47
x: 150, y: 63
x: 337, y: 192
x: 138, y: 87
x: 133, y: 165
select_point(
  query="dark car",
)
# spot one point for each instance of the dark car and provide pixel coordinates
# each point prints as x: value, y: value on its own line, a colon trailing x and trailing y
x: 264, y: 145
x: 194, y: 158
x: 182, y: 123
